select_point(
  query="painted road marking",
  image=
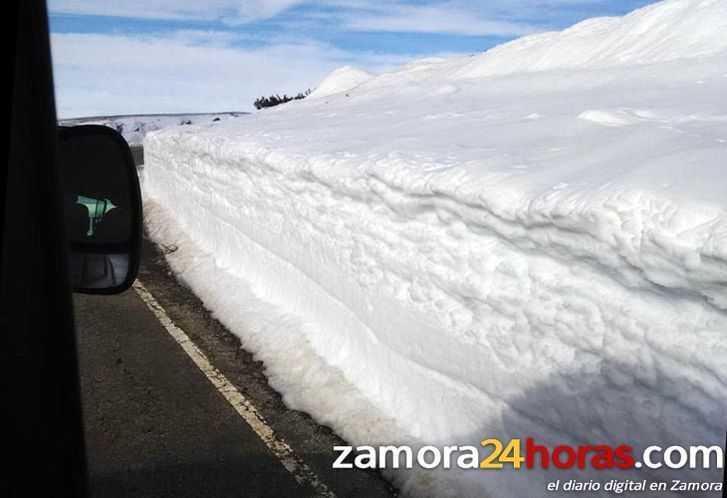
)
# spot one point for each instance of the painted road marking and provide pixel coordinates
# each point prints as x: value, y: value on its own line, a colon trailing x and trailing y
x: 300, y: 471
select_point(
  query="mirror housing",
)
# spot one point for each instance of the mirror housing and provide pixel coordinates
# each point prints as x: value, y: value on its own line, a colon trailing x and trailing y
x: 102, y: 207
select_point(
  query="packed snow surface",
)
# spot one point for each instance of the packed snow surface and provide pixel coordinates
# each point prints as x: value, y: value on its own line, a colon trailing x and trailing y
x: 531, y: 242
x: 135, y: 127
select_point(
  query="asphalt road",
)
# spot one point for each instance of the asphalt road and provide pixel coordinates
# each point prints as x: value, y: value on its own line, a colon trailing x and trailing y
x: 156, y: 426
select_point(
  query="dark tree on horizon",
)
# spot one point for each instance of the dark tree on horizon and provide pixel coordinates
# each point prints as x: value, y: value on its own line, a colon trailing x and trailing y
x: 276, y: 99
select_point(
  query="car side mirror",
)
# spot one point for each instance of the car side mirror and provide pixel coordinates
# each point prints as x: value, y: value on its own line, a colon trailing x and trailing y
x: 102, y: 204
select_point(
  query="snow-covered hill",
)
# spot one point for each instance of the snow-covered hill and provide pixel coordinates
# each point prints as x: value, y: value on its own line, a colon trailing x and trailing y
x: 340, y: 80
x: 662, y: 32
x: 528, y: 242
x: 135, y: 127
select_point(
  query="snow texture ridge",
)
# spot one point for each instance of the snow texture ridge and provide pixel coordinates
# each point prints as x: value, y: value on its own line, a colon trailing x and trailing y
x: 450, y: 252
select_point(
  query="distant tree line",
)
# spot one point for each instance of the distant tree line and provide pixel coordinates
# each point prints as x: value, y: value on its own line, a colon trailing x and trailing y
x: 274, y: 100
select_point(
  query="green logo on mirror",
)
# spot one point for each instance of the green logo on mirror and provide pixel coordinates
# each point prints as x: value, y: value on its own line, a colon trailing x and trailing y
x: 97, y: 208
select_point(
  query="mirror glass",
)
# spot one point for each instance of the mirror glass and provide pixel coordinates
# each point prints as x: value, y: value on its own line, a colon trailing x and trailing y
x: 102, y: 208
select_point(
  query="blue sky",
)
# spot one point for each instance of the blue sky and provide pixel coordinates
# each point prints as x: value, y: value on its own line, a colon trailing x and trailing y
x: 134, y: 56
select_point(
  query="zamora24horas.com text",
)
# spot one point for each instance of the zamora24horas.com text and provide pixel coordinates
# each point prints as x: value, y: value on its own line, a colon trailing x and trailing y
x: 494, y: 454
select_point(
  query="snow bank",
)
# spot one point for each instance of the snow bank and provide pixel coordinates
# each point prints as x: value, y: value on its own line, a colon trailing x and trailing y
x: 434, y: 259
x: 341, y: 80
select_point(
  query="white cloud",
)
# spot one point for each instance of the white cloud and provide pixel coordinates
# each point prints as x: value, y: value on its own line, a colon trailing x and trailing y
x: 230, y: 11
x: 99, y: 74
x: 140, y: 9
x: 447, y: 16
x: 253, y: 10
x: 435, y: 19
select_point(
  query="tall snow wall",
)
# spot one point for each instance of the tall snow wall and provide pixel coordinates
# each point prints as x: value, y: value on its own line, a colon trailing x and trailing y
x: 438, y: 256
